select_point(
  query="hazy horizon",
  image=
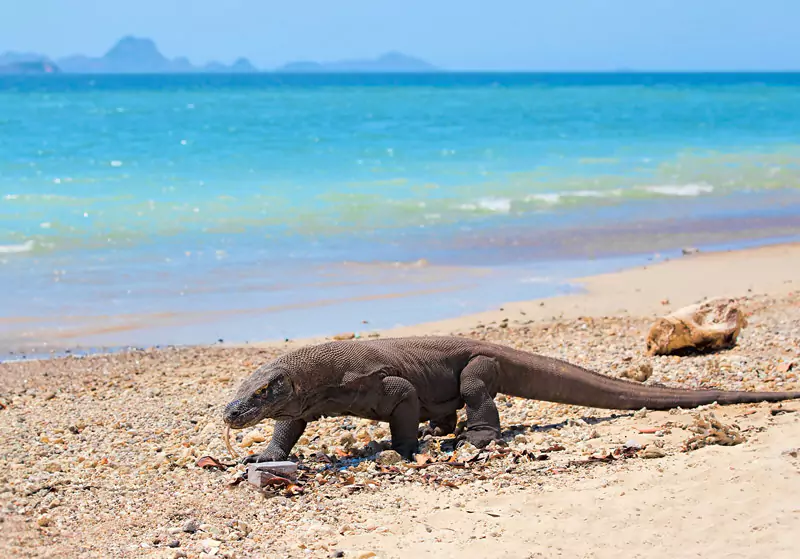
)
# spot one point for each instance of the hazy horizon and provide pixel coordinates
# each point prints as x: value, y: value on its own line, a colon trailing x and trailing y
x: 590, y: 35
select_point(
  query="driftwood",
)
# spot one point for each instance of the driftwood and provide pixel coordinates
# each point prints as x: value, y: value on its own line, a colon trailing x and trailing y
x: 707, y: 326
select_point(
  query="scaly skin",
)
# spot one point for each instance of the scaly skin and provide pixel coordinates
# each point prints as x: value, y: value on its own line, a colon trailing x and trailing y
x: 406, y: 381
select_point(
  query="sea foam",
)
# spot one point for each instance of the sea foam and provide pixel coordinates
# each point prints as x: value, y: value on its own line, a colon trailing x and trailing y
x: 27, y: 246
x: 680, y: 189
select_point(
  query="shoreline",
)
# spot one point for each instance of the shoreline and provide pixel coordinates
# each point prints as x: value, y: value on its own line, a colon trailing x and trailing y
x: 660, y: 287
x: 648, y: 286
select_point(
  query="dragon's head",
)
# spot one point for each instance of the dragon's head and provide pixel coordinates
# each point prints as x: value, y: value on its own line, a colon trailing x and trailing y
x: 267, y: 393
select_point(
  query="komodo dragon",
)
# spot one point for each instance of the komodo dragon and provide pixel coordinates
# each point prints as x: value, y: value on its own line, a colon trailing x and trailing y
x: 406, y: 381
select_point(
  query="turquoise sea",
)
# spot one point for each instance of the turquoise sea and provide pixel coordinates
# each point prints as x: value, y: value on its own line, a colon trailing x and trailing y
x: 189, y: 208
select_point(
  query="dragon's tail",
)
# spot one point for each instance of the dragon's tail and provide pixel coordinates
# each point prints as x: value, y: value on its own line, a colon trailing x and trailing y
x: 544, y: 378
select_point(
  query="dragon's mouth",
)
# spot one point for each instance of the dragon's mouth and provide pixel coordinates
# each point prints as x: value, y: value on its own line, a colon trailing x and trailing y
x: 240, y: 419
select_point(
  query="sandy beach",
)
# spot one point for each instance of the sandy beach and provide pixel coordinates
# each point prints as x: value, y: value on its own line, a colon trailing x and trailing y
x: 98, y: 454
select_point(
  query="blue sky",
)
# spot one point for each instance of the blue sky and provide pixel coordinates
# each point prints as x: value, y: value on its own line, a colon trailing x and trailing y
x: 455, y: 34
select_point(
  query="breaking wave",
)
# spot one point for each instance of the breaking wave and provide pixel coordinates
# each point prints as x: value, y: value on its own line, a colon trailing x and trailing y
x: 680, y: 189
x: 27, y: 246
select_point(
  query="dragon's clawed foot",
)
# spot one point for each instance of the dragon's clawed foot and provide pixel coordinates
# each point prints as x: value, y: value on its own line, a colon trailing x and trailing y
x: 406, y: 449
x: 478, y: 438
x: 266, y: 456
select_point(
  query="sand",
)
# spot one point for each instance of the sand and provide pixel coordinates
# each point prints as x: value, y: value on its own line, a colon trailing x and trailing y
x: 98, y: 454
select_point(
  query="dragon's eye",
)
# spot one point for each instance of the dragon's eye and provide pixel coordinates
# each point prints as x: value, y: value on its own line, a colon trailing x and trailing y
x: 261, y: 391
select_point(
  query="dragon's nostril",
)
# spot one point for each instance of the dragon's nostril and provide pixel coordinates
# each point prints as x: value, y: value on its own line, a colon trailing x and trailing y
x: 231, y: 410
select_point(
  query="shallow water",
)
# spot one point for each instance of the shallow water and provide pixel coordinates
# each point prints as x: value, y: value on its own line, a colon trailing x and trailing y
x: 234, y: 202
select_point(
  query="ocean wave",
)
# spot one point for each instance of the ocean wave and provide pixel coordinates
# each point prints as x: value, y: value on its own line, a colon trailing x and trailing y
x: 679, y: 189
x: 558, y: 197
x: 546, y: 197
x: 495, y: 205
x: 27, y: 246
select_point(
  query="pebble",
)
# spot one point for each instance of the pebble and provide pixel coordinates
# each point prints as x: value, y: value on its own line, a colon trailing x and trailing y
x: 651, y: 451
x: 347, y: 440
x: 251, y: 438
x: 210, y: 543
x: 389, y: 457
x: 211, y: 529
x: 44, y: 520
x: 240, y: 526
x: 190, y: 526
x: 640, y: 373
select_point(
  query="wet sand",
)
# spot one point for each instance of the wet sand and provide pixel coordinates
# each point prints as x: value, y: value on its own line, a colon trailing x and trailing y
x: 98, y: 454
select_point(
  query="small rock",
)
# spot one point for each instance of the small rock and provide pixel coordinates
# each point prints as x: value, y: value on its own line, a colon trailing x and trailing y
x: 640, y: 373
x: 466, y: 452
x: 53, y: 467
x: 44, y: 520
x: 389, y: 457
x: 344, y: 336
x: 337, y: 554
x: 190, y: 526
x: 651, y: 451
x: 792, y: 452
x: 211, y: 529
x: 520, y: 439
x: 174, y: 543
x: 689, y: 250
x: 252, y: 437
x: 179, y: 554
x: 210, y: 543
x: 240, y: 526
x: 347, y: 440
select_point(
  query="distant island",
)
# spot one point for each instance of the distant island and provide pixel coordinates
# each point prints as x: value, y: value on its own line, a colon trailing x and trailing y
x: 33, y: 67
x: 135, y: 55
x: 389, y: 62
x: 26, y: 63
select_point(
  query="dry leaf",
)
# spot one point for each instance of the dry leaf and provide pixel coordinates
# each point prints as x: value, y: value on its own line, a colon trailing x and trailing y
x: 554, y: 448
x: 210, y: 462
x: 422, y: 459
x: 293, y: 489
x: 785, y: 367
x: 274, y: 480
